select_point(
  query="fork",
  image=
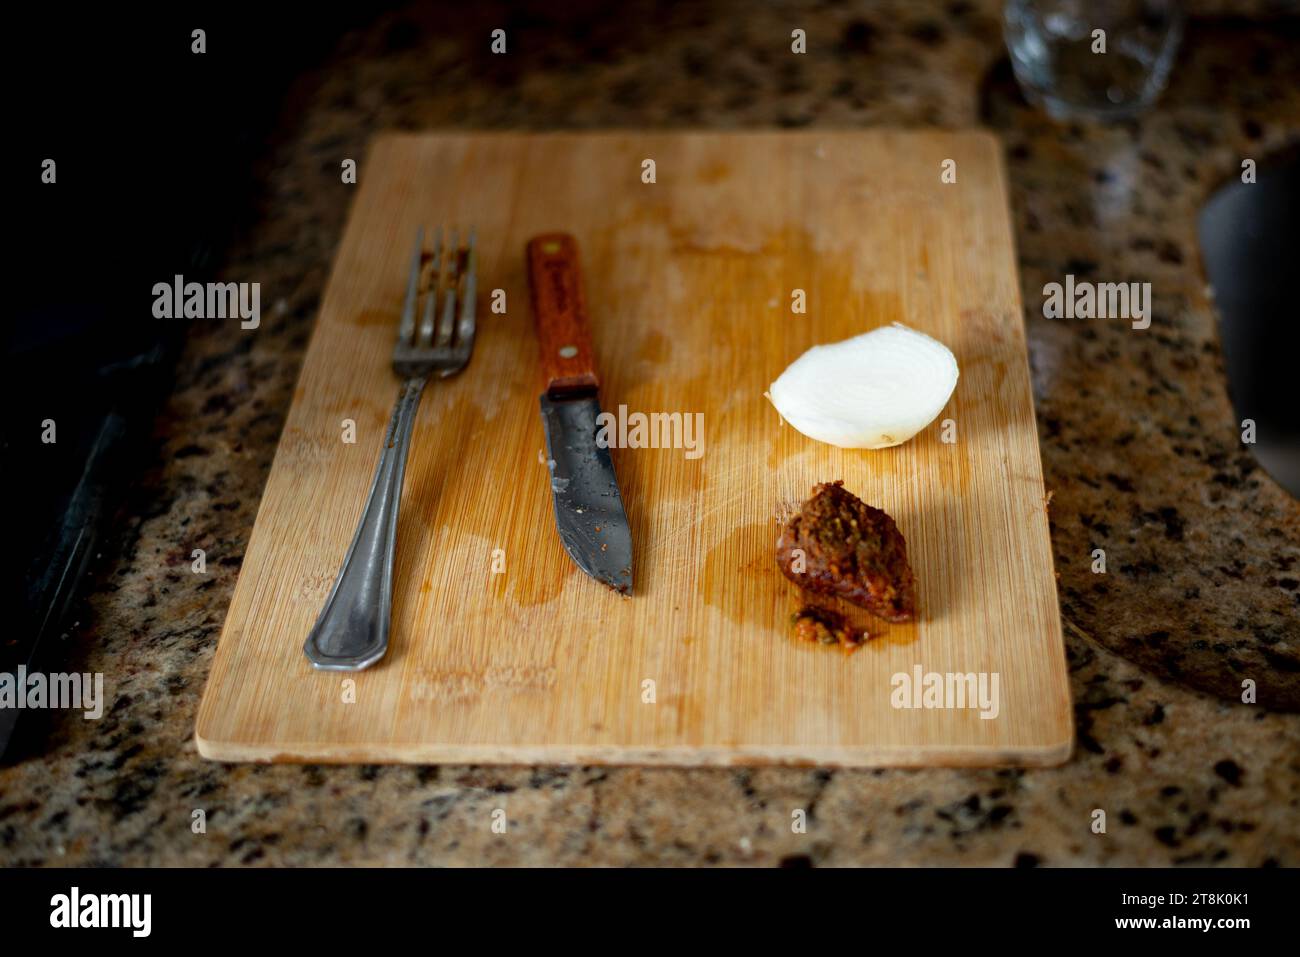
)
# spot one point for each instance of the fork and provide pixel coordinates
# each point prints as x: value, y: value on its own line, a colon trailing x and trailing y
x: 352, y: 630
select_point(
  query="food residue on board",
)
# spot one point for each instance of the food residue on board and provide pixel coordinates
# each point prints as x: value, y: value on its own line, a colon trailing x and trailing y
x: 840, y: 546
x: 822, y: 626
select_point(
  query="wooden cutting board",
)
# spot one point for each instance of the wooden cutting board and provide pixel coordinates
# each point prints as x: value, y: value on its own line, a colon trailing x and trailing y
x: 502, y: 650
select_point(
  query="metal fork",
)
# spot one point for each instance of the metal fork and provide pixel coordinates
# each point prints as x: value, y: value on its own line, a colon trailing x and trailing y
x: 352, y: 630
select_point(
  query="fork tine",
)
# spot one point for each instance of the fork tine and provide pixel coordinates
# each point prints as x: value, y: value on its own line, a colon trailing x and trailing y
x: 465, y: 330
x: 438, y: 338
x: 446, y: 325
x: 407, y: 329
x: 430, y: 303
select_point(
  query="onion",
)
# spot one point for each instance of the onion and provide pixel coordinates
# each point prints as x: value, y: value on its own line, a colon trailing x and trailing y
x: 869, y: 392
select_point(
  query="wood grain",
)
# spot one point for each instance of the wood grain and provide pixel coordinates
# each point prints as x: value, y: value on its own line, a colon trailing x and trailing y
x: 502, y: 650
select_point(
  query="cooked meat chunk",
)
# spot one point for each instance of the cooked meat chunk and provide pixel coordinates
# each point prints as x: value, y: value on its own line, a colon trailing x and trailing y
x: 822, y: 626
x: 839, y: 545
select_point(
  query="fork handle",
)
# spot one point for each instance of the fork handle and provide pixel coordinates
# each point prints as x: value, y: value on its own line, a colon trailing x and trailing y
x: 560, y: 314
x: 352, y: 630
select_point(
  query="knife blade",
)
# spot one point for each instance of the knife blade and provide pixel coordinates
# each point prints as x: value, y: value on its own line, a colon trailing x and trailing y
x: 589, y: 514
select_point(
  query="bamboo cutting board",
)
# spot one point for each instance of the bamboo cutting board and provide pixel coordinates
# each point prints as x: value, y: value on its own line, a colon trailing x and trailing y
x: 502, y: 650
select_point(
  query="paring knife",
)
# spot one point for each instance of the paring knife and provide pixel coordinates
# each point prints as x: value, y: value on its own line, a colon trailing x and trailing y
x: 588, y: 508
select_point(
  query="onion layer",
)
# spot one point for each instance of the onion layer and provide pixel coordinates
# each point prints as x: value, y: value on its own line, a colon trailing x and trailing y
x: 869, y: 392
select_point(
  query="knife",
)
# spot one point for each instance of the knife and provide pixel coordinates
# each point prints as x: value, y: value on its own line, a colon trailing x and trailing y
x: 588, y: 508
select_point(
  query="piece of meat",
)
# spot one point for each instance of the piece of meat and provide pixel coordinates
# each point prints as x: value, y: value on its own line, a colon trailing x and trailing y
x: 821, y: 626
x: 839, y: 545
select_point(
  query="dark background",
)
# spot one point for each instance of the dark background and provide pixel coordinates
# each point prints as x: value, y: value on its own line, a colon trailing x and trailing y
x: 158, y: 154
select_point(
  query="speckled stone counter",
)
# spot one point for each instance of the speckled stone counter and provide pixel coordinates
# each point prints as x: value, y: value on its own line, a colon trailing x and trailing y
x: 1140, y: 451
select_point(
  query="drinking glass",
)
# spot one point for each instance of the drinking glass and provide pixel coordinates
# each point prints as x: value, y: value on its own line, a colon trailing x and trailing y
x: 1092, y: 59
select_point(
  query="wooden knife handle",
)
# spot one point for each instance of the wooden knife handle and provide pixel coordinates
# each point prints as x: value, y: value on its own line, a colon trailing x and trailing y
x: 560, y: 313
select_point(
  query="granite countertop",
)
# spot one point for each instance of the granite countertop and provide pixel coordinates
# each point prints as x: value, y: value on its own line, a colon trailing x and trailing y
x: 1140, y: 452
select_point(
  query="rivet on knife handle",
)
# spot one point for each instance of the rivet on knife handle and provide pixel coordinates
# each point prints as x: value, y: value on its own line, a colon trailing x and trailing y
x: 560, y: 312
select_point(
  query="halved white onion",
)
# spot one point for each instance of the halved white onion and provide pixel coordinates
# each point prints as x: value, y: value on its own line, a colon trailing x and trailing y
x: 869, y: 392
